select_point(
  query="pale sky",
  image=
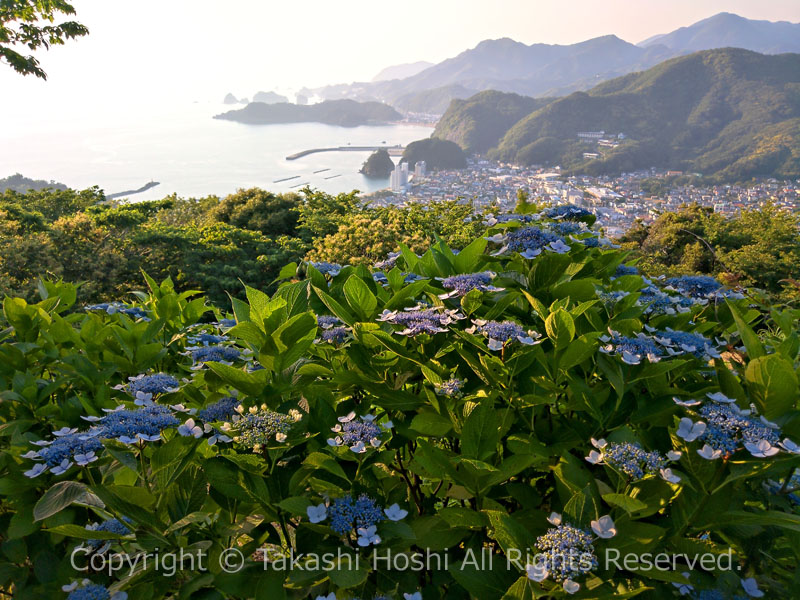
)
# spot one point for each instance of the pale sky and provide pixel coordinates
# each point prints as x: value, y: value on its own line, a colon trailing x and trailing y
x: 141, y: 50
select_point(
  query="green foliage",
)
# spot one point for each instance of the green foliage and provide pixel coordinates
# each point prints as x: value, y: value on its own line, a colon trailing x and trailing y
x: 758, y: 248
x: 437, y: 154
x: 478, y: 123
x: 18, y: 183
x: 730, y: 113
x: 476, y: 440
x: 31, y: 24
x: 273, y: 215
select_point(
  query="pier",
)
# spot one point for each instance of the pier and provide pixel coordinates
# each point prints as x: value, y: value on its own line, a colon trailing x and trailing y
x: 393, y: 150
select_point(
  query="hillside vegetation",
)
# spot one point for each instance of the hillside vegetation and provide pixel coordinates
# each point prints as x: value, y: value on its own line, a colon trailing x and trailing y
x: 729, y: 113
x: 478, y: 123
x: 437, y: 154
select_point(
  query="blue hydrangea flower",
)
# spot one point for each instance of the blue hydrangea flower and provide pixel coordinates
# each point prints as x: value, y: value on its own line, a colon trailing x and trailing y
x: 695, y: 286
x: 566, y: 552
x: 358, y: 433
x: 61, y: 453
x: 630, y: 458
x: 335, y: 335
x: 611, y: 298
x: 529, y: 242
x: 658, y: 302
x: 631, y: 349
x: 502, y: 333
x: 421, y: 319
x: 221, y: 410
x: 389, y: 263
x: 682, y: 342
x: 159, y: 383
x: 328, y: 321
x: 132, y: 426
x: 567, y: 212
x: 110, y: 526
x: 222, y: 354
x: 348, y: 514
x: 450, y: 388
x: 327, y: 268
x: 568, y: 228
x: 729, y: 428
x: 113, y: 308
x: 86, y: 590
x: 380, y: 277
x: 207, y: 339
x: 509, y: 217
x: 461, y: 285
x: 624, y: 269
x: 227, y: 323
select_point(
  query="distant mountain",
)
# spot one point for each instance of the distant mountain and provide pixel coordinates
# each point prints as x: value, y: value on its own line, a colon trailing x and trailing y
x: 731, y: 113
x: 478, y: 123
x: 345, y: 113
x: 402, y: 71
x: 19, y: 183
x: 555, y: 70
x: 433, y: 101
x: 729, y: 30
x: 269, y: 98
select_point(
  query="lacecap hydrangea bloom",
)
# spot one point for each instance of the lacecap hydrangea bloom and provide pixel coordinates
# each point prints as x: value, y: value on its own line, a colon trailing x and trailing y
x: 207, y: 339
x: 631, y: 349
x: 86, y: 590
x: 501, y: 333
x: 568, y: 212
x: 358, y: 433
x: 633, y: 460
x: 461, y: 285
x: 221, y: 354
x: 131, y: 426
x: 328, y: 321
x: 421, y: 319
x: 655, y: 301
x: 333, y: 335
x: 327, y: 268
x: 683, y: 342
x: 111, y: 526
x: 113, y: 308
x: 221, y: 410
x: 260, y: 427
x: 567, y: 552
x: 160, y: 383
x: 61, y: 453
x: 450, y: 388
x: 529, y: 242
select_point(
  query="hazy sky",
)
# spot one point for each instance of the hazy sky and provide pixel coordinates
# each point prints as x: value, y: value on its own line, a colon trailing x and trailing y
x: 146, y: 50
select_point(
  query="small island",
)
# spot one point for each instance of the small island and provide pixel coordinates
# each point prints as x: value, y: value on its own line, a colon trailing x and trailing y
x: 20, y: 183
x: 344, y: 113
x: 269, y: 98
x: 379, y: 165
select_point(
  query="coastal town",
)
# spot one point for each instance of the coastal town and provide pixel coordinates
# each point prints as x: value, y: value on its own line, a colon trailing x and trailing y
x: 618, y: 201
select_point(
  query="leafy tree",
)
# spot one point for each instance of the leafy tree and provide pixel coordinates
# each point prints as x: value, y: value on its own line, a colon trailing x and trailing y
x: 32, y: 24
x: 258, y: 210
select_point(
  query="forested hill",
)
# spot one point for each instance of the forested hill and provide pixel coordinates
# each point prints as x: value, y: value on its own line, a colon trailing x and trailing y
x: 731, y: 113
x: 347, y: 113
x: 478, y: 123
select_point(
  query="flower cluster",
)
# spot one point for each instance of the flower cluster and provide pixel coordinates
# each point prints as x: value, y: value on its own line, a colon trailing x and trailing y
x: 682, y: 342
x: 700, y: 287
x: 421, y: 319
x: 67, y: 448
x: 633, y: 460
x: 529, y: 242
x: 390, y: 262
x: 151, y: 385
x: 110, y: 526
x: 509, y: 217
x: 86, y: 590
x: 358, y: 433
x: 655, y: 301
x: 356, y: 515
x: 727, y: 428
x: 328, y: 321
x: 568, y: 228
x: 130, y: 426
x: 461, y: 285
x: 221, y: 354
x: 450, y: 388
x: 566, y: 551
x: 221, y: 410
x: 333, y: 331
x: 258, y: 427
x: 624, y: 269
x: 631, y: 349
x: 501, y: 333
x: 326, y: 268
x: 567, y: 212
x: 611, y: 298
x: 112, y: 308
x: 207, y: 339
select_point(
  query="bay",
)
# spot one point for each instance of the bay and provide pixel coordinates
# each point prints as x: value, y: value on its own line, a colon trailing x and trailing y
x: 190, y: 153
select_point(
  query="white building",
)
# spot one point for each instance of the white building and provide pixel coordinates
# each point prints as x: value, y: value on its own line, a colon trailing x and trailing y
x: 420, y: 168
x: 400, y: 177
